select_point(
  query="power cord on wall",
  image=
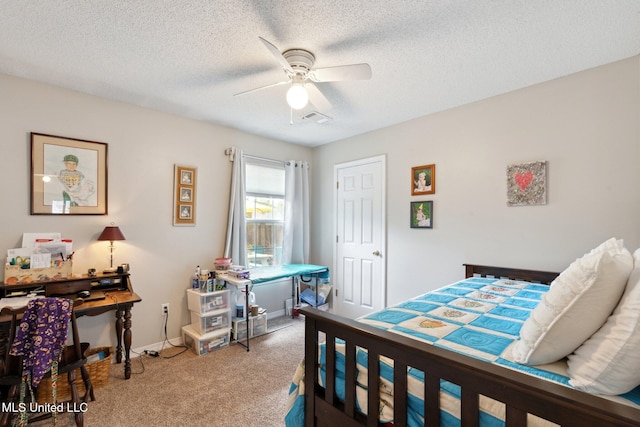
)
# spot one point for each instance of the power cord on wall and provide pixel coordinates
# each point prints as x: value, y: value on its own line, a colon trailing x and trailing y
x: 154, y: 353
x: 166, y: 340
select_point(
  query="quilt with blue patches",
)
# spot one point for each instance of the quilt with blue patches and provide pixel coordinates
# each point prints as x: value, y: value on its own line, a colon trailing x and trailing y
x: 479, y: 317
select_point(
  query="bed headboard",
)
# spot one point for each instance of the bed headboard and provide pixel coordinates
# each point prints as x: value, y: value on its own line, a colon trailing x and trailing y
x: 535, y: 276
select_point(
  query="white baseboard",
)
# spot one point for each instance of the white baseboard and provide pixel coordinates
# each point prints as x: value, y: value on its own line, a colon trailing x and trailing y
x: 136, y: 352
x: 274, y: 314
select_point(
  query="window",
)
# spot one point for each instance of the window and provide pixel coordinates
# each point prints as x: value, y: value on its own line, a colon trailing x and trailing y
x: 264, y: 206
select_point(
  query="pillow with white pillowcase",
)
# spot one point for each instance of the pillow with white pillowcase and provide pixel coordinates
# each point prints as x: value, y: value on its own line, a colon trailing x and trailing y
x: 579, y: 302
x: 609, y: 361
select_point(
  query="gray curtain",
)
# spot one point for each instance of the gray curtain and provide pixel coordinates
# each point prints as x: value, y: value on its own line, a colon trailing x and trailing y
x: 295, y: 246
x: 236, y: 243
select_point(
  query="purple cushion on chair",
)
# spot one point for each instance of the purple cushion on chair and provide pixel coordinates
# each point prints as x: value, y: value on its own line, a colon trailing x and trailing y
x: 42, y: 335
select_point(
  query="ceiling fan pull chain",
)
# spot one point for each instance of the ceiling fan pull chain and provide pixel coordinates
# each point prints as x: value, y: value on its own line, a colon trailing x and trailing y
x: 291, y: 116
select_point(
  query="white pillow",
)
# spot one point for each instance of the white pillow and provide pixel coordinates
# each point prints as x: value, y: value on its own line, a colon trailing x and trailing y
x: 609, y: 361
x: 577, y: 305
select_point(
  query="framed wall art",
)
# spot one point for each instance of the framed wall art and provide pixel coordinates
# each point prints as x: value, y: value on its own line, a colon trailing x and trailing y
x: 184, y: 195
x: 527, y: 184
x: 423, y: 180
x: 421, y: 214
x: 68, y: 176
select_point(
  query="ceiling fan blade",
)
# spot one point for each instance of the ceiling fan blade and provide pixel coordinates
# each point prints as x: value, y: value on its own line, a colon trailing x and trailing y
x: 317, y: 98
x: 277, y: 54
x: 260, y: 88
x: 341, y: 73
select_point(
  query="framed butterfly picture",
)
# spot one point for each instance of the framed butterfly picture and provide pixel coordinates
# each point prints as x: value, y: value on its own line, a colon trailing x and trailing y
x: 527, y: 184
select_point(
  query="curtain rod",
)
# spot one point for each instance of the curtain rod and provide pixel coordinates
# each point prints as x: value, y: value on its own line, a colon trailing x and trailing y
x: 264, y: 159
x: 231, y: 153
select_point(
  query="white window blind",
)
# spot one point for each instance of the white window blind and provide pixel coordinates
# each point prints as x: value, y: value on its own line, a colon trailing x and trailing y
x: 262, y: 179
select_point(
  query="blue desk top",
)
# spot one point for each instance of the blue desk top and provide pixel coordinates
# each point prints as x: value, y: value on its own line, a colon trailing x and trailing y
x: 275, y: 272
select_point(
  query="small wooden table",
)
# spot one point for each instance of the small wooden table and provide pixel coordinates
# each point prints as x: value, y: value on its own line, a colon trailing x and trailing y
x: 119, y: 297
x: 269, y: 274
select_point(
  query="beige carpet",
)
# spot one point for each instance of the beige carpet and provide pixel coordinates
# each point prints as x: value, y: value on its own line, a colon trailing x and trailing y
x: 229, y: 387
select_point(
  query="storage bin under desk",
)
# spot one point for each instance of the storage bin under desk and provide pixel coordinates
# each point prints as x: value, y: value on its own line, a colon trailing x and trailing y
x: 257, y: 326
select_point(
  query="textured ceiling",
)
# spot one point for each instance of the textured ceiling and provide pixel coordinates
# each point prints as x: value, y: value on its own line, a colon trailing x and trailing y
x: 190, y: 57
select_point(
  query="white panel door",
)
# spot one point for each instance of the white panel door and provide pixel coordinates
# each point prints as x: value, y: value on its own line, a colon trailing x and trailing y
x: 359, y: 267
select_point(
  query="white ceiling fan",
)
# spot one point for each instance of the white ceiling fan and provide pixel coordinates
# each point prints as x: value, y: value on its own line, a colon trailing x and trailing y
x: 298, y: 66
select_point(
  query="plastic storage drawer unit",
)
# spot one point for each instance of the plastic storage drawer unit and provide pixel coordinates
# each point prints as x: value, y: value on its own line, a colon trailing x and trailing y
x: 239, y: 329
x: 209, y: 322
x: 206, y: 302
x: 257, y: 326
x: 204, y: 343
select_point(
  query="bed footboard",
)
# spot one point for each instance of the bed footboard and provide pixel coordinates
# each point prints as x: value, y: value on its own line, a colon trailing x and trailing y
x: 521, y: 394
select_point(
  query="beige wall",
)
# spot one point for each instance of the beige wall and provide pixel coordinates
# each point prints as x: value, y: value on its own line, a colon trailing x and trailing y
x: 144, y: 145
x: 586, y: 126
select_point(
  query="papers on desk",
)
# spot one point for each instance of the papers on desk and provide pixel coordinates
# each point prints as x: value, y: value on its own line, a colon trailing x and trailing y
x: 40, y: 260
x: 40, y: 250
x: 29, y: 239
x: 19, y: 253
x: 17, y: 302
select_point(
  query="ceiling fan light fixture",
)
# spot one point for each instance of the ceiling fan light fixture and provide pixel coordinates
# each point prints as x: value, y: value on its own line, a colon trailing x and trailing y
x: 297, y: 96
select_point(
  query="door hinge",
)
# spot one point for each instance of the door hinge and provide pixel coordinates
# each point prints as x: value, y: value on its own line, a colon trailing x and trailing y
x: 336, y: 293
x: 337, y: 239
x: 338, y: 184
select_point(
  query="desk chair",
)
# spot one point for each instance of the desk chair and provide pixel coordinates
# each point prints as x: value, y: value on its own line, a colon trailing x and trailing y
x: 17, y: 366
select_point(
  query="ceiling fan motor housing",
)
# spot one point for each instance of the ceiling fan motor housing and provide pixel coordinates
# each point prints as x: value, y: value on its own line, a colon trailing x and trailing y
x: 301, y: 60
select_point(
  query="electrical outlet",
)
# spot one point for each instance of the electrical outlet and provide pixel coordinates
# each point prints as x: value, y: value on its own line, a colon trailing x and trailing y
x: 165, y: 309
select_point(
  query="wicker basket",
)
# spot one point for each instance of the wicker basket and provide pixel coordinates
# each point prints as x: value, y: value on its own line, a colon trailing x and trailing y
x: 98, y: 373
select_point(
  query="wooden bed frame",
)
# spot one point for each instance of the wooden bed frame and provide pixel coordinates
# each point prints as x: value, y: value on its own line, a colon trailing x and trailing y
x: 522, y: 394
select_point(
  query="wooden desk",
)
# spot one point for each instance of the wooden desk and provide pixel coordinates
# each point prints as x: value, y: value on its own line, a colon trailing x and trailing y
x: 119, y: 297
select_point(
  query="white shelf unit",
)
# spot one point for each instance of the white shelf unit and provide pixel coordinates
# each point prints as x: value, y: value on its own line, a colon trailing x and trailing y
x: 210, y: 327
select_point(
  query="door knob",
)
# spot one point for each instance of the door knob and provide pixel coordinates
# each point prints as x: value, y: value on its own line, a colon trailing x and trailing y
x: 376, y: 253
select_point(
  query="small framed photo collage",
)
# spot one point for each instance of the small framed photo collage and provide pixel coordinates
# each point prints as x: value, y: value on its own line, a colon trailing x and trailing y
x: 423, y: 182
x: 184, y: 193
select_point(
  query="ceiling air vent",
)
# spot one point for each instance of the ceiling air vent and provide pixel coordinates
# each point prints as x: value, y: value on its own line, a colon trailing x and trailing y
x: 317, y: 117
